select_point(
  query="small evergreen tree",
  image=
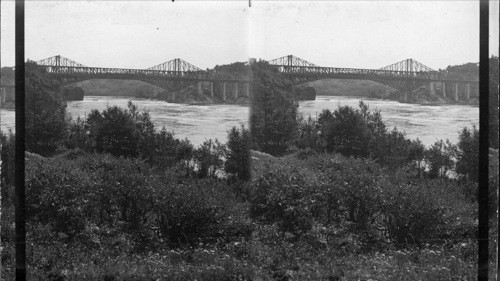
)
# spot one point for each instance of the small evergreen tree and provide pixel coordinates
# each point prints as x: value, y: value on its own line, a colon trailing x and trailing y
x: 468, y: 153
x: 439, y: 158
x: 238, y: 153
x: 209, y: 157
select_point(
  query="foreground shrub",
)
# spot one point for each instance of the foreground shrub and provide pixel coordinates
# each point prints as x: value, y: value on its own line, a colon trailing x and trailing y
x: 426, y: 211
x: 325, y: 189
x: 191, y: 212
x: 93, y: 196
x: 359, y: 196
x: 286, y: 198
x: 360, y: 183
x: 412, y: 215
x: 209, y: 158
x: 7, y: 156
x: 56, y: 194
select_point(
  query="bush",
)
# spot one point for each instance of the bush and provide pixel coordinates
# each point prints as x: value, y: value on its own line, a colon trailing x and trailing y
x: 83, y: 197
x: 350, y: 131
x: 439, y: 158
x: 468, y: 153
x: 94, y: 189
x: 114, y: 131
x: 284, y: 197
x: 191, y: 212
x: 360, y: 183
x: 324, y: 189
x: 57, y: 193
x: 427, y: 212
x: 309, y: 136
x: 359, y: 196
x: 209, y: 157
x: 412, y: 216
x: 238, y: 153
x: 7, y: 156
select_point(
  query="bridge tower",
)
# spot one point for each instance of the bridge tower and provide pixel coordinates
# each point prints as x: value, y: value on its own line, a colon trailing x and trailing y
x: 408, y: 75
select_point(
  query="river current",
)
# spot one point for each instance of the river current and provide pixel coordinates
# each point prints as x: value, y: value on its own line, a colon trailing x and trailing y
x: 200, y: 122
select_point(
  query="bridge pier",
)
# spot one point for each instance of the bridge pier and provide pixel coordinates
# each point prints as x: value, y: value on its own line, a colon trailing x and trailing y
x: 236, y: 90
x: 404, y: 97
x: 431, y: 88
x: 455, y: 92
x: 224, y: 91
x: 198, y: 88
x: 444, y: 89
x: 468, y: 91
x: 212, y: 89
x: 247, y: 89
x: 173, y: 97
x: 2, y: 95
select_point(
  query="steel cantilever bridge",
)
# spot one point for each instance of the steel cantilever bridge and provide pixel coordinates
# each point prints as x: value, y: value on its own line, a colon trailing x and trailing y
x: 170, y: 75
x: 404, y: 76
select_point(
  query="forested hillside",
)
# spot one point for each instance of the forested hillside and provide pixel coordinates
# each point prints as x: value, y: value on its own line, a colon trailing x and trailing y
x: 348, y: 87
x: 112, y: 87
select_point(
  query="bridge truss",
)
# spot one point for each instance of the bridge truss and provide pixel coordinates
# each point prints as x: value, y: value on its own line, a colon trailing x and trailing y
x: 171, y: 75
x: 403, y: 76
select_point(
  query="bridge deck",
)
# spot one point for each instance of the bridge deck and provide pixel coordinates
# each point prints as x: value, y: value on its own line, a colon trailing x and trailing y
x: 71, y: 72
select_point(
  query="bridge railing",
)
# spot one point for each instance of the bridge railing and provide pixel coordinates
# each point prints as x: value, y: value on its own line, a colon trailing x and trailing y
x: 64, y: 70
x: 125, y: 73
x: 307, y: 70
x: 317, y: 71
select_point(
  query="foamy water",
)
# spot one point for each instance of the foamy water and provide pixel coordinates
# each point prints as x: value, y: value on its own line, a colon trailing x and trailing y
x: 200, y: 122
x: 426, y: 122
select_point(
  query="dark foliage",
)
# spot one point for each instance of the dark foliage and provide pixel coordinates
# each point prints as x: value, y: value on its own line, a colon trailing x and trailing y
x: 358, y: 195
x: 89, y: 196
x: 46, y: 117
x: 238, y: 153
x: 73, y: 93
x: 493, y: 102
x: 305, y: 93
x: 273, y: 118
x: 209, y: 158
x: 237, y: 70
x: 439, y: 158
x: 468, y: 153
x: 115, y: 131
x: 7, y: 156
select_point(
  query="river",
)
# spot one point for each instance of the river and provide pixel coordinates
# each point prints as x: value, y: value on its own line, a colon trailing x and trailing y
x: 195, y: 122
x: 426, y: 122
x: 200, y: 122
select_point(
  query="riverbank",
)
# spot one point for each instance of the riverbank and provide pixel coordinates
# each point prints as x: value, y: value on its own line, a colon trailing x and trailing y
x: 419, y: 99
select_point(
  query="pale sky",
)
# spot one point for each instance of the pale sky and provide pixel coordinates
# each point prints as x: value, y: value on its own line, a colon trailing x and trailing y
x: 362, y: 34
